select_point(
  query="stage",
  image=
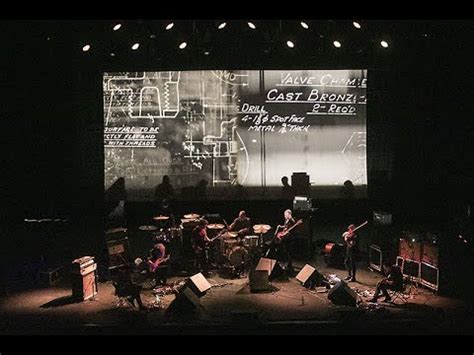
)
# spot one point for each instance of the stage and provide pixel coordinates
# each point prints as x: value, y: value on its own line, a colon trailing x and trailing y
x: 230, y: 308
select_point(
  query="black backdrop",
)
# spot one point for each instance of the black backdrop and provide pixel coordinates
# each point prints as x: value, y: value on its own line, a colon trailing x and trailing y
x: 419, y: 117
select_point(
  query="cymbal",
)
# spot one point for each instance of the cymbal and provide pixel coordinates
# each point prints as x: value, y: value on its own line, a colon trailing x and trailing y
x: 215, y: 226
x: 230, y: 235
x: 261, y: 228
x: 148, y: 228
x: 116, y: 230
x: 191, y: 216
x: 161, y: 218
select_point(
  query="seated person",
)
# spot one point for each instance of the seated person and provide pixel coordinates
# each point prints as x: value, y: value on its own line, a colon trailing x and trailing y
x: 124, y: 287
x: 156, y: 263
x: 393, y: 281
x: 241, y: 225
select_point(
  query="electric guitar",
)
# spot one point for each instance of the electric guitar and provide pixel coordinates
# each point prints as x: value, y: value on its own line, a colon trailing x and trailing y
x: 286, y: 231
x: 348, y: 236
x: 155, y: 264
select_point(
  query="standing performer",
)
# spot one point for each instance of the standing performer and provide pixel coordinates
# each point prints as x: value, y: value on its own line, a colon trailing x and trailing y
x: 280, y: 248
x: 352, y: 248
x: 156, y: 263
x: 200, y: 242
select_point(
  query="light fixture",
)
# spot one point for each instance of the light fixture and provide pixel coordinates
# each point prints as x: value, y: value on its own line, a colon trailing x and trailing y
x: 337, y: 44
x: 183, y: 45
x: 290, y: 44
x: 86, y: 47
x: 304, y: 25
x: 135, y: 46
x: 169, y: 26
x: 384, y: 44
x: 251, y: 25
x: 222, y: 25
x: 356, y: 25
x: 112, y: 54
x: 117, y: 27
x: 207, y: 53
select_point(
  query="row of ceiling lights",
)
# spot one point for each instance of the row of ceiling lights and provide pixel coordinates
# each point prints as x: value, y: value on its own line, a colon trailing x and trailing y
x: 222, y: 25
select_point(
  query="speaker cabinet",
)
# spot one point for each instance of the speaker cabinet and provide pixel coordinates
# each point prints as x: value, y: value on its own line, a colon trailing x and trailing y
x: 430, y: 253
x: 309, y: 277
x: 343, y: 295
x: 259, y: 281
x: 119, y: 254
x: 198, y: 284
x: 271, y: 266
x: 410, y: 247
x: 186, y: 301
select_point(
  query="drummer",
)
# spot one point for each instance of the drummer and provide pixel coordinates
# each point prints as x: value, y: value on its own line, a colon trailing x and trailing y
x: 165, y: 211
x: 241, y: 225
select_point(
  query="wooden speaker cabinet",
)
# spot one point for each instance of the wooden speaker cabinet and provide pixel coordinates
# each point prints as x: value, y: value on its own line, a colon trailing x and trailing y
x: 83, y: 278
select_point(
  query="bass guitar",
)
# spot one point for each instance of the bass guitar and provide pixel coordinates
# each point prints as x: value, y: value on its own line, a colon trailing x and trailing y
x: 282, y: 234
x: 349, y: 236
x: 153, y: 265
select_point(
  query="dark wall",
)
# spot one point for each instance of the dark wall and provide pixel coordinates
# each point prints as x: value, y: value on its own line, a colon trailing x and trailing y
x: 419, y: 115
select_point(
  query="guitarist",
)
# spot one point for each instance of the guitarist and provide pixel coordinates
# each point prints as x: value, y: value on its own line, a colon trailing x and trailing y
x: 158, y: 258
x: 200, y: 242
x: 352, y: 248
x: 279, y: 248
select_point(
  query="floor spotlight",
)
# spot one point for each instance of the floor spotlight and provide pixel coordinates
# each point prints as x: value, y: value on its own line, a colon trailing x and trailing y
x: 304, y: 25
x: 222, y: 25
x: 290, y: 44
x: 135, y: 46
x: 86, y: 47
x: 183, y: 45
x: 251, y: 25
x: 337, y: 44
x: 169, y: 26
x: 117, y: 26
x: 384, y: 44
x: 356, y: 25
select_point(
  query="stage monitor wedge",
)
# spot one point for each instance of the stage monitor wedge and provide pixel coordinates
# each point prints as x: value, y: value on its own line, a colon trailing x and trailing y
x: 198, y: 284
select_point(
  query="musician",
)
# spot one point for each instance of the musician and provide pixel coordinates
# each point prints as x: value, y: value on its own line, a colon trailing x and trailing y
x: 125, y: 287
x: 241, y: 225
x: 200, y: 241
x: 157, y: 262
x: 280, y: 248
x: 165, y: 210
x: 352, y: 247
x: 393, y: 281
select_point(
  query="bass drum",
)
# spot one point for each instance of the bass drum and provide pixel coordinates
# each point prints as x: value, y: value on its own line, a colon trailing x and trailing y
x: 238, y: 256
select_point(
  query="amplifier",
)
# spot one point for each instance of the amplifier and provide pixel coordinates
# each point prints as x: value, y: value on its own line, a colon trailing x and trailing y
x: 410, y: 246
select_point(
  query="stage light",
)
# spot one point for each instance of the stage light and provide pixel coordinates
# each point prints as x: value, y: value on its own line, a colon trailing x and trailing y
x: 117, y: 26
x: 413, y: 240
x: 290, y: 44
x: 304, y: 25
x: 384, y: 44
x: 86, y: 47
x: 222, y: 25
x: 207, y: 53
x: 465, y: 241
x: 135, y: 46
x: 112, y: 54
x: 356, y: 25
x: 460, y: 236
x: 183, y: 45
x: 337, y: 44
x: 251, y: 25
x: 169, y: 26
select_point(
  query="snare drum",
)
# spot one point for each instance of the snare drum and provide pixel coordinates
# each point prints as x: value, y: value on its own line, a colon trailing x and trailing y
x: 251, y: 241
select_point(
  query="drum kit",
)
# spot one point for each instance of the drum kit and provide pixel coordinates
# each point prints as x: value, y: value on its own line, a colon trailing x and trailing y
x: 232, y: 250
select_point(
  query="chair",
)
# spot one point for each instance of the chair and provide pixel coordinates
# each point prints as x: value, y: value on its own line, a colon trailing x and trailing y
x: 399, y: 294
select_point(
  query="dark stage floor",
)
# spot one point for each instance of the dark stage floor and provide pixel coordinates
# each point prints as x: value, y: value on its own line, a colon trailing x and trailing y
x: 230, y: 307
